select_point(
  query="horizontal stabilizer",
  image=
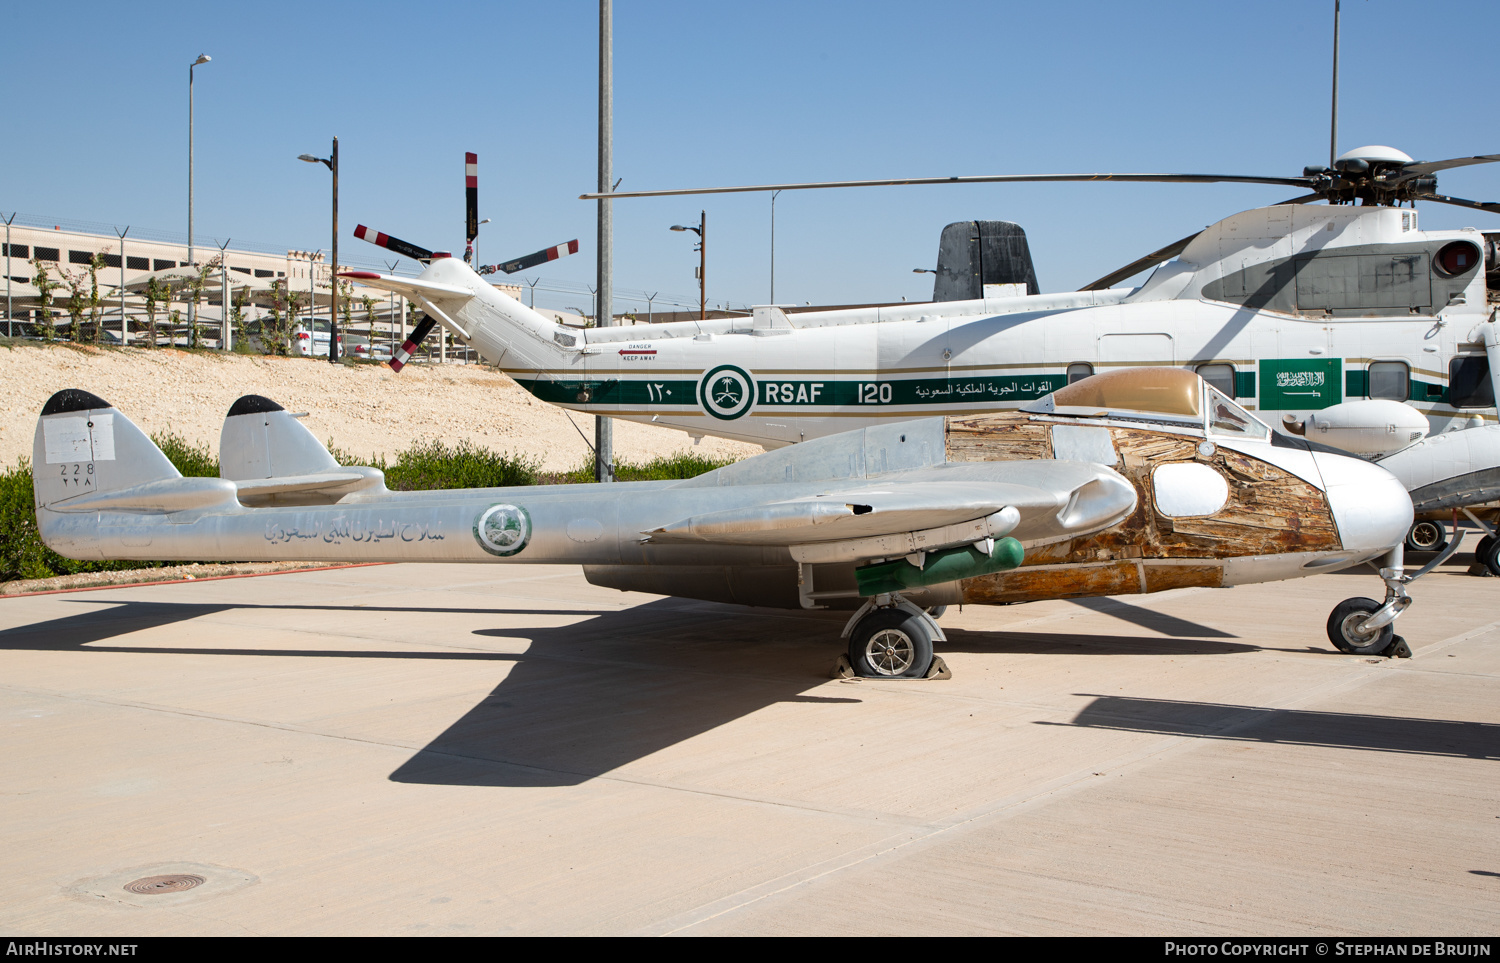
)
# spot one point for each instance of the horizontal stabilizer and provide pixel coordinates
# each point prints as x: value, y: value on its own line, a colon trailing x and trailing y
x: 157, y: 498
x: 322, y: 481
x: 413, y: 289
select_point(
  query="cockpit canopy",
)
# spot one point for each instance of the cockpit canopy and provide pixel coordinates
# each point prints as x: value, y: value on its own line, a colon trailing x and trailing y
x: 1165, y: 397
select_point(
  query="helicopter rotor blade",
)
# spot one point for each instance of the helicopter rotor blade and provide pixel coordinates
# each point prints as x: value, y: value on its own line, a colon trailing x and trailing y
x: 532, y: 260
x: 1489, y: 206
x: 471, y: 202
x: 412, y: 343
x: 394, y: 244
x: 1432, y: 167
x: 982, y: 179
x: 1166, y: 254
x: 1137, y: 266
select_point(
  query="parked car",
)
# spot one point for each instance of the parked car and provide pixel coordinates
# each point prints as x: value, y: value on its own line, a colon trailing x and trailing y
x: 312, y: 344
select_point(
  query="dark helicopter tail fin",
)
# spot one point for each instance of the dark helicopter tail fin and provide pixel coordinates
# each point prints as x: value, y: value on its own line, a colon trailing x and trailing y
x: 975, y: 254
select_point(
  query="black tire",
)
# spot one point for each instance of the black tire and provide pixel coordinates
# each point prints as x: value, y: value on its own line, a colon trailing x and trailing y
x: 1483, y: 546
x: 1341, y: 628
x: 937, y: 611
x: 1429, y: 536
x: 1490, y: 557
x: 891, y: 644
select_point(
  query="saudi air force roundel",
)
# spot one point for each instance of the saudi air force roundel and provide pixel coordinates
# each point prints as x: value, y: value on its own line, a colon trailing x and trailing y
x: 726, y: 392
x: 503, y: 529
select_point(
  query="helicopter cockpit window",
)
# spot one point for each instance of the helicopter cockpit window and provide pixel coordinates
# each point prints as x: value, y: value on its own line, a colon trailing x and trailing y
x: 1221, y: 376
x: 1227, y: 418
x: 1469, y: 384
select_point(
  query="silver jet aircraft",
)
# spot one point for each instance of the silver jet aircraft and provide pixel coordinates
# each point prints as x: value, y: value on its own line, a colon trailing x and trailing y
x: 1134, y: 481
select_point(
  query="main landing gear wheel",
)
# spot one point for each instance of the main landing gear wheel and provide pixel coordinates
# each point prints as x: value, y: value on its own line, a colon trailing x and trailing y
x: 891, y: 644
x: 1428, y: 536
x: 1343, y: 629
x: 1488, y: 555
x: 937, y: 612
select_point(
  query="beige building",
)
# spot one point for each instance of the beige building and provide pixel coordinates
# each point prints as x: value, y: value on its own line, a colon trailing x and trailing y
x: 246, y: 276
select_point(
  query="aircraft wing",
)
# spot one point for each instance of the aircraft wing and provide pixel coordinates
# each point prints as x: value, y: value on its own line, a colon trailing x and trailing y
x: 916, y: 514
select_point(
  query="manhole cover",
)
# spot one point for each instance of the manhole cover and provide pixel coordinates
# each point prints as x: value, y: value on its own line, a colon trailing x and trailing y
x: 175, y: 883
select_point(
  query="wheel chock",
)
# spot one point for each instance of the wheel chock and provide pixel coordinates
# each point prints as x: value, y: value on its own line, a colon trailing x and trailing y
x: 843, y: 670
x: 1398, y: 649
x: 939, y: 669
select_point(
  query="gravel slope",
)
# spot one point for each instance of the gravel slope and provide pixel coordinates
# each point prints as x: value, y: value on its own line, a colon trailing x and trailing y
x: 364, y: 409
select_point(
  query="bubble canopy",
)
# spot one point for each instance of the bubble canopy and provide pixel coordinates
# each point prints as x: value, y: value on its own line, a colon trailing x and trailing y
x: 1170, y: 396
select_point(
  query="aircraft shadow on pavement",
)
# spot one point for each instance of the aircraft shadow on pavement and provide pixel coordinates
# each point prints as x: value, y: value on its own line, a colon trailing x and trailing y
x: 103, y: 621
x: 592, y: 697
x: 1300, y: 727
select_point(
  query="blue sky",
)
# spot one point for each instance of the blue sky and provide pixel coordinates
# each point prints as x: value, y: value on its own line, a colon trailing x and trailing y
x: 710, y: 94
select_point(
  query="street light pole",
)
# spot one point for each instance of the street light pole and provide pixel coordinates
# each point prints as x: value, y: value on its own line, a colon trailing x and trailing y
x: 332, y: 163
x: 702, y: 231
x: 124, y: 325
x: 604, y: 439
x: 773, y: 246
x: 202, y: 59
x: 9, y: 316
x: 477, y: 262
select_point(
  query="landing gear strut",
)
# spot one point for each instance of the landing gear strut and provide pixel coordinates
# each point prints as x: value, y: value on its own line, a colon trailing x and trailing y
x: 890, y: 638
x: 1363, y: 626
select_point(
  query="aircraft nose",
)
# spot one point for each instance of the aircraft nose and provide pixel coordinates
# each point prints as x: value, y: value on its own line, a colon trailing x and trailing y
x: 1370, y: 505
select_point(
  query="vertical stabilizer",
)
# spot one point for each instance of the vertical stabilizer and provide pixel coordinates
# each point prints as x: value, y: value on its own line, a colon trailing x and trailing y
x: 83, y: 446
x: 260, y: 439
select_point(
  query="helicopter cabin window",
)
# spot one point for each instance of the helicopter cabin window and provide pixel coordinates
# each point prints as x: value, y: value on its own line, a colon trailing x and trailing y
x: 1227, y: 418
x: 1221, y: 376
x: 1469, y: 383
x: 1079, y: 371
x: 1390, y: 380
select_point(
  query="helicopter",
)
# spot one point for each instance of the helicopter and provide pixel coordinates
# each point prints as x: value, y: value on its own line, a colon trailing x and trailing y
x: 1345, y: 323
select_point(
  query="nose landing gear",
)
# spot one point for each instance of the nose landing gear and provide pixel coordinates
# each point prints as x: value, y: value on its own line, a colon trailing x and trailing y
x: 1362, y: 626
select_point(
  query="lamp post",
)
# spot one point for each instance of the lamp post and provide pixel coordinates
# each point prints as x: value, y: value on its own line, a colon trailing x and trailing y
x: 332, y: 163
x: 478, y: 262
x: 9, y: 323
x: 773, y: 246
x: 604, y: 437
x: 702, y: 231
x: 124, y: 325
x: 202, y: 59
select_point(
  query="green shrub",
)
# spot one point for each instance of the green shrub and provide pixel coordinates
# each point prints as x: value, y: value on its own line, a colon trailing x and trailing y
x: 432, y: 465
x: 662, y: 468
x: 194, y: 461
x: 22, y: 554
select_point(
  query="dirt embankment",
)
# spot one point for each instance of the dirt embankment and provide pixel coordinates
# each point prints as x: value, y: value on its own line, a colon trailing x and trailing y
x: 364, y: 409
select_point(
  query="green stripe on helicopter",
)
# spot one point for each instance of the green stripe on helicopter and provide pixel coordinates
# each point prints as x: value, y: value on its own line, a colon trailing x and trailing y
x: 729, y: 389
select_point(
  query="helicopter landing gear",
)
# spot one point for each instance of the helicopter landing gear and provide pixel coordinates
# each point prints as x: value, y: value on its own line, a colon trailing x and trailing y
x: 1427, y: 536
x: 890, y: 638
